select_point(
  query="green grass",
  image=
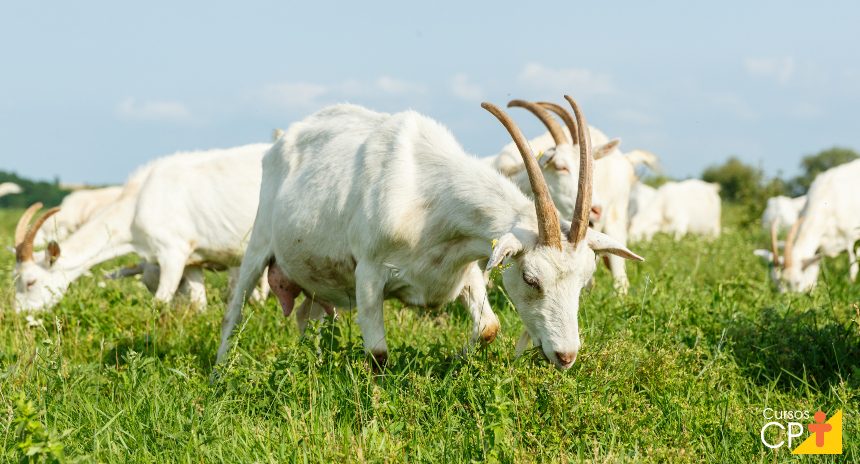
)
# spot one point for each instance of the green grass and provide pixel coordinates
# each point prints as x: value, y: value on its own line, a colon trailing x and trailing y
x: 679, y: 371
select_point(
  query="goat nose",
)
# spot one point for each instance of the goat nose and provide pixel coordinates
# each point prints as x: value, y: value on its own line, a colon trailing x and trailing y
x: 566, y: 359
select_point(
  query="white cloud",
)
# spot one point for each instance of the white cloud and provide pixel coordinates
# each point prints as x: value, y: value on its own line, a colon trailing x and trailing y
x: 306, y: 95
x: 806, y: 110
x: 465, y: 89
x: 779, y: 69
x: 733, y: 104
x: 153, y: 110
x: 573, y: 81
x: 293, y: 94
x: 394, y: 86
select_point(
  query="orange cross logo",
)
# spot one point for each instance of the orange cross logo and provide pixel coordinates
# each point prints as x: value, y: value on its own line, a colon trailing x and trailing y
x: 825, y: 435
x: 819, y: 428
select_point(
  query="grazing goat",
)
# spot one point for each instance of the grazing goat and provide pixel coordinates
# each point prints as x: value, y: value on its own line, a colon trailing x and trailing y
x: 679, y: 208
x: 214, y: 222
x: 828, y: 225
x: 358, y: 206
x: 41, y: 283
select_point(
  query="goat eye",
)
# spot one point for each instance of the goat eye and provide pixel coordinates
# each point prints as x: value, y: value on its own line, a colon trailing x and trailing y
x: 531, y: 281
x: 30, y: 283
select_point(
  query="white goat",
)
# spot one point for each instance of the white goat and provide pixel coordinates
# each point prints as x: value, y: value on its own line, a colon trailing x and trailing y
x: 614, y: 175
x: 9, y: 188
x: 679, y: 208
x: 358, y: 206
x: 77, y: 208
x: 828, y: 225
x: 170, y: 185
x: 41, y: 283
x: 194, y: 210
x: 641, y: 196
x: 782, y: 210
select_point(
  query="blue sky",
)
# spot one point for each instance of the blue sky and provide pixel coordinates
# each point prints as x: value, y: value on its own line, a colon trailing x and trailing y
x: 90, y: 90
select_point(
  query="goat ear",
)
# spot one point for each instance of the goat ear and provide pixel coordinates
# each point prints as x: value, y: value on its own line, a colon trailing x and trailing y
x: 53, y: 251
x: 767, y: 257
x: 764, y: 254
x: 809, y: 262
x: 506, y: 245
x: 602, y: 243
x: 545, y: 158
x: 551, y: 159
x: 606, y: 148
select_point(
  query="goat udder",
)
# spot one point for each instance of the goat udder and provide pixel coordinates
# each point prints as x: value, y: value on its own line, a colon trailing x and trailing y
x: 286, y: 290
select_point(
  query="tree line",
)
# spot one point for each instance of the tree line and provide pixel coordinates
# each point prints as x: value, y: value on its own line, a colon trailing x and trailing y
x: 48, y: 192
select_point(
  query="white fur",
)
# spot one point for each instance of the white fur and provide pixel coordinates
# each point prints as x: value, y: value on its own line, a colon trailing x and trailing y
x: 641, y: 196
x: 197, y: 209
x: 9, y: 188
x: 40, y: 284
x: 783, y: 210
x: 358, y: 206
x: 77, y: 208
x: 831, y: 225
x: 179, y: 213
x: 679, y: 208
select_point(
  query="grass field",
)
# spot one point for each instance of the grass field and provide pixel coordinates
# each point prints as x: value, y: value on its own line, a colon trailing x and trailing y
x: 679, y: 370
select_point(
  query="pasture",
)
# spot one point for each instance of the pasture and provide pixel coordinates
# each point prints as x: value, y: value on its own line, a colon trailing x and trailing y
x: 679, y: 370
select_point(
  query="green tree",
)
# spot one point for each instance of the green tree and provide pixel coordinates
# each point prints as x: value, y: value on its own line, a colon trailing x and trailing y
x: 744, y: 185
x: 739, y: 182
x: 813, y: 165
x: 47, y: 192
x: 655, y: 180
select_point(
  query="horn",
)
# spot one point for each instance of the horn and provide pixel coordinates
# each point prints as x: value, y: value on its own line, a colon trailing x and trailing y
x: 554, y: 127
x: 774, y: 249
x: 565, y: 116
x: 582, y: 208
x: 789, y: 243
x: 549, y: 228
x: 24, y: 221
x: 24, y: 250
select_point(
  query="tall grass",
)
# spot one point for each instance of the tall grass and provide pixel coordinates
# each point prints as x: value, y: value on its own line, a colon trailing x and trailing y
x: 679, y: 370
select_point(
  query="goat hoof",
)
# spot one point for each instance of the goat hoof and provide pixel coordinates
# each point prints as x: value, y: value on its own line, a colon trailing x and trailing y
x: 378, y: 361
x: 488, y: 335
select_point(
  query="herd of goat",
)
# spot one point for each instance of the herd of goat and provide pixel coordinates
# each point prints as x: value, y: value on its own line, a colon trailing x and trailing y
x: 350, y: 207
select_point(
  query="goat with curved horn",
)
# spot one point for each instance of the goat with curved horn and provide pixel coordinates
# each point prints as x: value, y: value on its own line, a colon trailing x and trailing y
x: 493, y: 221
x: 24, y: 248
x: 579, y: 223
x: 549, y: 228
